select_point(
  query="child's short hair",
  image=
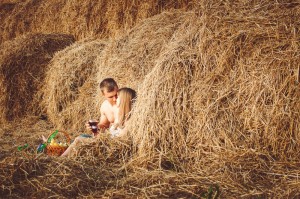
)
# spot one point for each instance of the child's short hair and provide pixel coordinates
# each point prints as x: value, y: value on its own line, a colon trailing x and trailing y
x: 108, y: 84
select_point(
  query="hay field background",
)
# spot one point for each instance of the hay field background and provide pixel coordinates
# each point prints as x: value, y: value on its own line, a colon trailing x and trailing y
x: 218, y: 109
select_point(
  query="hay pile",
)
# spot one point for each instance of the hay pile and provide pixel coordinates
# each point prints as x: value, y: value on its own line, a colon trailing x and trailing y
x: 81, y: 19
x: 71, y: 93
x: 102, y: 168
x: 70, y: 85
x: 23, y: 64
x: 223, y: 99
x: 217, y: 112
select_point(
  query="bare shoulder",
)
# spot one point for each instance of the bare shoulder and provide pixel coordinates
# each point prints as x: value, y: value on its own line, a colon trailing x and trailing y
x: 105, y: 105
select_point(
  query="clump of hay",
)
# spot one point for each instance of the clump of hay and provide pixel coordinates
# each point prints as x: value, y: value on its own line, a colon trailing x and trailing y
x: 23, y: 63
x: 46, y: 176
x: 98, y: 165
x: 130, y: 58
x: 70, y: 85
x: 81, y: 19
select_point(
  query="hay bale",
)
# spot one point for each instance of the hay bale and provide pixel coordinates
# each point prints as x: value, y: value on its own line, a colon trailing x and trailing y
x: 81, y: 19
x: 70, y: 85
x: 71, y: 90
x: 220, y: 98
x: 132, y: 56
x: 219, y: 103
x: 225, y: 86
x: 23, y: 64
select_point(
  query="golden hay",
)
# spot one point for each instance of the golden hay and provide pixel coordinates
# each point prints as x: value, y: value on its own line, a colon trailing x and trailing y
x: 71, y: 91
x: 81, y: 19
x: 70, y: 85
x: 217, y: 113
x: 223, y: 98
x: 23, y: 64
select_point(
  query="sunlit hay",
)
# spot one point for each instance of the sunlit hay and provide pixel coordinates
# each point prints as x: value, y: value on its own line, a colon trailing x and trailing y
x: 70, y: 85
x: 81, y: 19
x: 123, y: 15
x: 129, y: 58
x: 159, y: 120
x: 114, y: 152
x: 218, y: 108
x: 23, y: 63
x: 246, y: 103
x: 246, y: 95
x: 71, y: 92
x: 225, y: 85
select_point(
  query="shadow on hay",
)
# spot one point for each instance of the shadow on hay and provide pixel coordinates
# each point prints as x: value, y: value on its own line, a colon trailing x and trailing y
x: 22, y: 71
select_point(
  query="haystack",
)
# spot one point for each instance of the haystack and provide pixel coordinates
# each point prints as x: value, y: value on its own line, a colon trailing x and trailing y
x: 217, y: 112
x: 71, y: 90
x: 23, y: 64
x: 223, y: 99
x: 71, y: 85
x: 81, y: 19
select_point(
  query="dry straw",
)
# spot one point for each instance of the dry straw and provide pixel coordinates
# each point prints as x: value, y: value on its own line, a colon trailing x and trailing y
x: 71, y: 93
x: 81, y: 19
x: 223, y: 99
x: 23, y: 64
x: 70, y: 85
x: 218, y: 106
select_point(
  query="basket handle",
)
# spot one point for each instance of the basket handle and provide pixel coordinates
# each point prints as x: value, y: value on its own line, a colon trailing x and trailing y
x: 52, y: 136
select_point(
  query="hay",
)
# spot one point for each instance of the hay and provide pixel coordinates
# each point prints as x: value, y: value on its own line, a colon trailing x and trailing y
x: 225, y: 90
x: 218, y: 106
x: 81, y: 19
x: 23, y: 64
x: 70, y: 85
x: 130, y: 58
x: 71, y: 91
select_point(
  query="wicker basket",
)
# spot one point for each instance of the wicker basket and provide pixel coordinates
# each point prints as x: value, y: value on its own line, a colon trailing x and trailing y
x: 57, y: 150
